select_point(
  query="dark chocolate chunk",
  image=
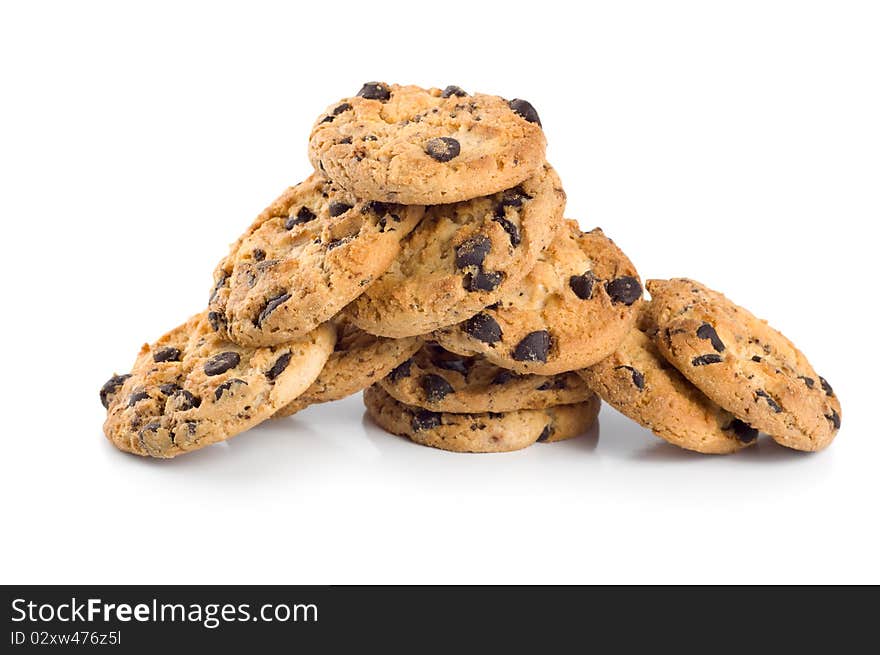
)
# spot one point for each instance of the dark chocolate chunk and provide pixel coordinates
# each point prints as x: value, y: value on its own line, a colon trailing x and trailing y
x: 341, y: 108
x: 525, y: 109
x: 435, y: 387
x: 443, y: 148
x: 110, y: 388
x: 483, y: 327
x: 453, y: 90
x: 706, y: 331
x: 218, y: 285
x: 378, y: 208
x: 504, y: 376
x: 472, y: 251
x: 545, y: 433
x: 375, y: 91
x: 136, y: 397
x: 149, y: 427
x: 226, y: 386
x: 271, y: 305
x: 508, y: 225
x: 259, y: 254
x: 756, y: 358
x: 743, y: 431
x: 554, y: 383
x: 625, y: 289
x: 425, y: 419
x: 401, y: 371
x: 638, y: 377
x: 304, y: 215
x: 760, y: 393
x: 184, y: 400
x: 582, y: 285
x: 217, y: 320
x: 338, y: 208
x: 169, y: 389
x: 483, y: 281
x: 834, y: 417
x: 810, y: 382
x: 222, y: 362
x: 704, y: 360
x: 278, y: 367
x: 167, y: 354
x: 534, y: 347
x: 826, y: 387
x: 514, y: 197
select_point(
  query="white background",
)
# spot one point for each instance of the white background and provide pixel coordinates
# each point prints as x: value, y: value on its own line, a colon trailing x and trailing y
x: 736, y: 143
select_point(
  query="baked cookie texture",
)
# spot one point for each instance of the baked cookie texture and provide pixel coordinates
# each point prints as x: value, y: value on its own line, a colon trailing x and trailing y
x: 638, y: 382
x: 480, y: 432
x: 461, y: 258
x: 417, y: 146
x: 358, y: 360
x: 193, y: 388
x: 314, y: 250
x: 442, y: 381
x: 743, y: 364
x: 573, y: 308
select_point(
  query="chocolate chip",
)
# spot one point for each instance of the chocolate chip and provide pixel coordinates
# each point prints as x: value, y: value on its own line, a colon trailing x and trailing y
x: 136, y: 397
x: 453, y: 90
x: 760, y: 393
x: 534, y: 347
x: 378, y: 208
x: 341, y: 108
x: 218, y: 285
x: 328, y: 119
x: 504, y: 376
x: 149, y: 427
x: 222, y: 362
x: 110, y: 388
x: 217, y: 320
x: 743, y: 431
x: 345, y: 141
x: 625, y: 289
x: 483, y: 327
x: 514, y: 197
x: 525, y: 109
x: 637, y: 377
x: 756, y: 358
x: 435, y: 387
x: 425, y: 420
x: 304, y: 215
x: 166, y: 354
x: 226, y: 386
x: 401, y: 371
x: 545, y: 433
x: 582, y: 285
x: 443, y: 148
x: 509, y: 227
x: 338, y: 242
x: 375, y: 91
x: 259, y: 254
x: 450, y: 362
x: 704, y: 360
x: 188, y: 426
x: 278, y: 367
x: 482, y: 281
x: 553, y: 384
x: 834, y: 417
x: 810, y: 382
x: 826, y: 387
x: 706, y: 331
x: 271, y: 305
x: 169, y: 389
x: 184, y: 400
x: 472, y: 251
x: 338, y: 208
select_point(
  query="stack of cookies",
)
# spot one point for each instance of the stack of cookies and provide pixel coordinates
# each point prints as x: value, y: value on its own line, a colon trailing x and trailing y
x: 428, y: 262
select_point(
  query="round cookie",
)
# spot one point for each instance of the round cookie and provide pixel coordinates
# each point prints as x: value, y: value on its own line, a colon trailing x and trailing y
x: 442, y: 381
x: 419, y: 146
x: 358, y: 360
x: 743, y: 364
x: 570, y: 311
x: 314, y: 250
x: 192, y: 388
x: 461, y: 258
x: 483, y: 432
x: 640, y: 384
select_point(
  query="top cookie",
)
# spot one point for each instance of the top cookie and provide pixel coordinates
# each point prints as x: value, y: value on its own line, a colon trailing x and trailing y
x: 743, y: 364
x: 461, y: 258
x: 573, y: 309
x: 192, y: 388
x: 314, y: 250
x: 419, y: 146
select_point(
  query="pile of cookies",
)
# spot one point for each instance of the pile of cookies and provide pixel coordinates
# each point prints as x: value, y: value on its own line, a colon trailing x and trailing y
x: 427, y: 261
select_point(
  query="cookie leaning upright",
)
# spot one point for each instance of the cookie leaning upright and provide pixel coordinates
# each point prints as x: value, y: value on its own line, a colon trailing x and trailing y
x: 310, y: 253
x: 193, y: 388
x: 743, y: 364
x: 418, y: 146
x: 462, y: 257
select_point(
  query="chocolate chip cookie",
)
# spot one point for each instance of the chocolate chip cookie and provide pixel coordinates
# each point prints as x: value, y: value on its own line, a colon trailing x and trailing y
x: 463, y: 257
x: 743, y: 364
x: 358, y: 360
x: 193, y: 388
x: 638, y: 382
x: 573, y: 309
x: 483, y: 432
x: 419, y: 146
x: 314, y: 250
x: 442, y: 381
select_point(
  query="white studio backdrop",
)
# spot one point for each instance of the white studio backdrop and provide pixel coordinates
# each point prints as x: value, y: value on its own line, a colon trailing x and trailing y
x: 736, y: 143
